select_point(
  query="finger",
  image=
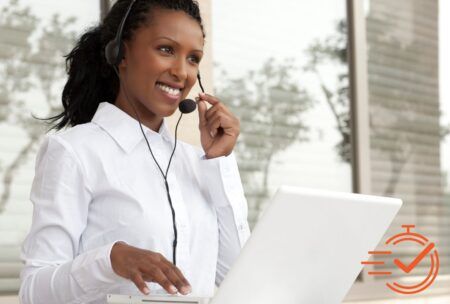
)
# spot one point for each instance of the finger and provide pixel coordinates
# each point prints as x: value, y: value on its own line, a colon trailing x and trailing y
x: 220, y: 107
x: 226, y: 121
x: 177, y: 279
x: 202, y: 114
x: 211, y: 111
x: 160, y: 278
x: 209, y: 98
x: 214, y: 124
x: 137, y: 279
x: 185, y: 282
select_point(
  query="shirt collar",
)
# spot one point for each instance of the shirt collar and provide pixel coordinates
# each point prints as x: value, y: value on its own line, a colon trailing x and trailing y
x: 125, y: 129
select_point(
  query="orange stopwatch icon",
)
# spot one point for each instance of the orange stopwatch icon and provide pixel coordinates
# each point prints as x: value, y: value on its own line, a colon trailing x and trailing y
x: 428, y: 249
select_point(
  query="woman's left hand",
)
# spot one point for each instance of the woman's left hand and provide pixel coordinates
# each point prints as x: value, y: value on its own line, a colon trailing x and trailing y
x: 219, y: 128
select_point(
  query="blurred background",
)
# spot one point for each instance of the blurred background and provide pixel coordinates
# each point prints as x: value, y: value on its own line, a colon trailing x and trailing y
x: 345, y: 95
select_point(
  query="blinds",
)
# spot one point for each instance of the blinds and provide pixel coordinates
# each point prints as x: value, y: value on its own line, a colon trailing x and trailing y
x: 402, y: 39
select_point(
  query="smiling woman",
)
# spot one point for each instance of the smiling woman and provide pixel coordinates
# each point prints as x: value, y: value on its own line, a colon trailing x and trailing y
x: 161, y: 65
x: 107, y: 219
x: 160, y: 46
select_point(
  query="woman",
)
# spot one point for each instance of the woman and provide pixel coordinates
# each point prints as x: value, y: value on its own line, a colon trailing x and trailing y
x: 107, y: 219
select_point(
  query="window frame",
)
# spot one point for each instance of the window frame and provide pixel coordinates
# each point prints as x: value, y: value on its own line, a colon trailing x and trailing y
x: 105, y: 5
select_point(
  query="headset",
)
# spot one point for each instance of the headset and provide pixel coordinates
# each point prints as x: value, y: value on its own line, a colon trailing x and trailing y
x: 114, y: 49
x: 114, y: 53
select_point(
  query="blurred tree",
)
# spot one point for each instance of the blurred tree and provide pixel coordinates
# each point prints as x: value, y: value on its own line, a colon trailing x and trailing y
x: 28, y: 72
x: 333, y: 51
x: 270, y: 104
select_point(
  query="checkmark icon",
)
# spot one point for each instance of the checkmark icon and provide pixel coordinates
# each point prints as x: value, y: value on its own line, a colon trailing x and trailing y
x: 416, y: 261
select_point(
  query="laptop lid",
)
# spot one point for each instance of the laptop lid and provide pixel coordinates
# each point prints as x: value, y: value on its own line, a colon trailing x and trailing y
x: 307, y: 247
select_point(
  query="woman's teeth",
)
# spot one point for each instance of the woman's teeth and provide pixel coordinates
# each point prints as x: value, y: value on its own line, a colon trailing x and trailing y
x: 169, y: 90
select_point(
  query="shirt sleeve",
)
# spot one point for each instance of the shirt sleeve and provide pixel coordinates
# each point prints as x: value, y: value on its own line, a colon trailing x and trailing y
x: 229, y: 244
x: 224, y: 187
x: 53, y: 271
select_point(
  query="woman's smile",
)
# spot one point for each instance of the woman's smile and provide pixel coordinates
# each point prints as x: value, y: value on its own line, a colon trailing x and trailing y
x: 171, y: 93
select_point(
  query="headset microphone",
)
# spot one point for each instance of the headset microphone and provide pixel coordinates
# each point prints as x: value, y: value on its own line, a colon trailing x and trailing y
x: 187, y: 106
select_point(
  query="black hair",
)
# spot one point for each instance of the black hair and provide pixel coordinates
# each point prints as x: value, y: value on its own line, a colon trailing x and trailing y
x: 91, y: 79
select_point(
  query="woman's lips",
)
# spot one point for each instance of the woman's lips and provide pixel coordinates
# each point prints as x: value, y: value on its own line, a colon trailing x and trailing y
x: 167, y: 96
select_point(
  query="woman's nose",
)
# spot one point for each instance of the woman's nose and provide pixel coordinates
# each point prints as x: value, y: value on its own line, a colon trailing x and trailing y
x: 179, y: 70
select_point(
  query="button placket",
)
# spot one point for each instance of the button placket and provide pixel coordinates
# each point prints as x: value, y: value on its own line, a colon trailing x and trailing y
x: 181, y: 220
x: 162, y: 149
x: 157, y: 147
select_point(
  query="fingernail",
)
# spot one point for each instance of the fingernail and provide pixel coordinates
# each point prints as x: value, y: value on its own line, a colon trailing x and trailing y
x: 146, y: 290
x: 185, y: 289
x: 202, y: 94
x: 214, y: 132
x: 173, y: 289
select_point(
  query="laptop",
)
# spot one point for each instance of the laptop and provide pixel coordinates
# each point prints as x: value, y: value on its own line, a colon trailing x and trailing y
x: 307, y: 247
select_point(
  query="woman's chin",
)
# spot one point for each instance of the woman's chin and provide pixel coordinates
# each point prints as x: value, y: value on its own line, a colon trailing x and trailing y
x: 167, y: 111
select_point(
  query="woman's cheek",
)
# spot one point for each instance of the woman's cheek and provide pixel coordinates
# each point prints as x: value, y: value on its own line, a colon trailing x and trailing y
x: 187, y: 89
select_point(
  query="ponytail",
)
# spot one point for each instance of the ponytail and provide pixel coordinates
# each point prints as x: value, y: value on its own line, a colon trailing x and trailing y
x: 91, y: 80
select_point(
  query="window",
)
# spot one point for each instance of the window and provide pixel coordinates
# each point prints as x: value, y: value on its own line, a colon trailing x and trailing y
x: 409, y: 126
x: 444, y: 98
x: 288, y: 83
x: 34, y: 36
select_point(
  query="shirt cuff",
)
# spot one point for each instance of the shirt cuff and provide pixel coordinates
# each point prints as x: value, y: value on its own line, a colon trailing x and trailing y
x: 220, y: 176
x: 92, y: 270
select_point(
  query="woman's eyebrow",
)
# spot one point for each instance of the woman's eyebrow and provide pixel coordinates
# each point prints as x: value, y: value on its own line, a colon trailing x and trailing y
x: 176, y: 42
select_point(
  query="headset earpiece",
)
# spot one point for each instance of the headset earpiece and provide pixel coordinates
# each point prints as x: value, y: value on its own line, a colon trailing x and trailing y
x: 114, y: 50
x: 114, y: 53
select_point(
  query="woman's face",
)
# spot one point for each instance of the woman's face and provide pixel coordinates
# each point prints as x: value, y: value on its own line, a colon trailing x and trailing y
x: 161, y: 64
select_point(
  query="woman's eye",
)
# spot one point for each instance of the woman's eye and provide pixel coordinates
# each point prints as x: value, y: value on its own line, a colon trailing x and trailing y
x: 195, y: 59
x: 166, y: 49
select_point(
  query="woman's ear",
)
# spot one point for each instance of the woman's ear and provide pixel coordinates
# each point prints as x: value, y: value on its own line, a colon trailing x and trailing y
x: 126, y: 50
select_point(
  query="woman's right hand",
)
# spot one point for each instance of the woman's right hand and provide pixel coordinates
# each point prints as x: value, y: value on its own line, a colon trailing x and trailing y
x: 142, y: 266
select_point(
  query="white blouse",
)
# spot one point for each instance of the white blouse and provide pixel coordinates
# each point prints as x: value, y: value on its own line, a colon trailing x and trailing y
x: 96, y: 184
